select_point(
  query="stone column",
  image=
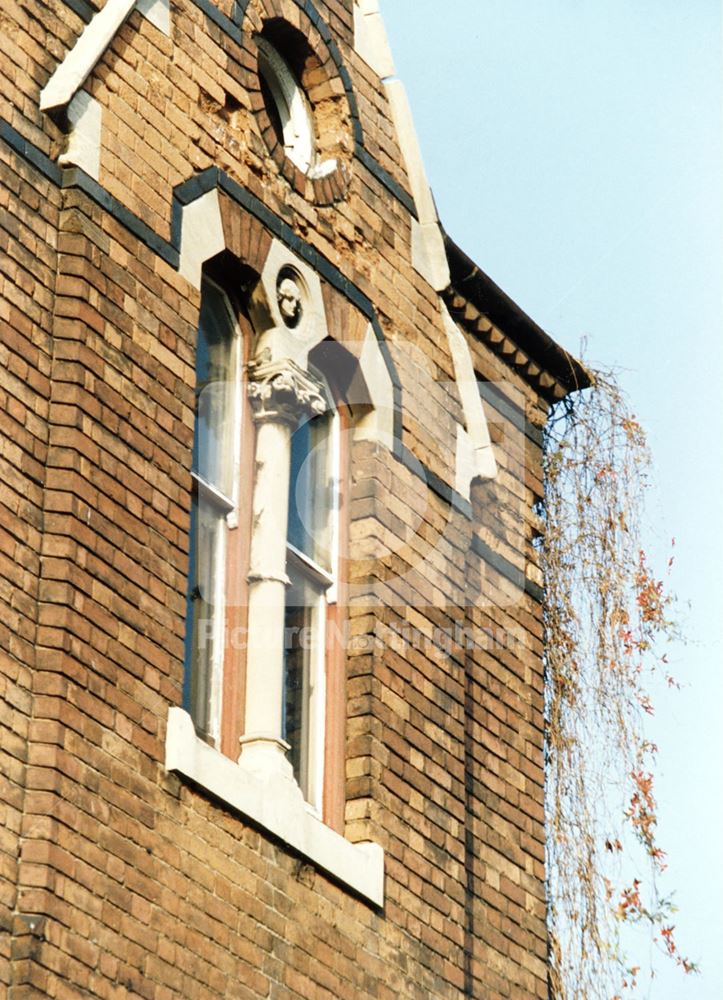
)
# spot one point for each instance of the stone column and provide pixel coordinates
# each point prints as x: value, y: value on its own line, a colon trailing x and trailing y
x: 280, y: 394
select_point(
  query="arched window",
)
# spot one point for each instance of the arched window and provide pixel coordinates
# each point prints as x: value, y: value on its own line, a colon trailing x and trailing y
x: 214, y: 507
x: 264, y: 710
x: 264, y: 650
x: 312, y: 565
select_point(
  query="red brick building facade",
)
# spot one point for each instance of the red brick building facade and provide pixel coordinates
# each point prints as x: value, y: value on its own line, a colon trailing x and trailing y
x: 194, y: 804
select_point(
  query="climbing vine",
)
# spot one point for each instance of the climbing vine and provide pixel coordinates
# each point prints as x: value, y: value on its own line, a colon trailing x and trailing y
x: 607, y: 621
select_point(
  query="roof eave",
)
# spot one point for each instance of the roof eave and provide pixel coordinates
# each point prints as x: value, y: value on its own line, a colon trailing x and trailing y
x: 478, y: 289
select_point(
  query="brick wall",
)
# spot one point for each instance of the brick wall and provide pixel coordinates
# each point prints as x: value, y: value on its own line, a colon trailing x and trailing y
x: 117, y: 879
x: 28, y: 220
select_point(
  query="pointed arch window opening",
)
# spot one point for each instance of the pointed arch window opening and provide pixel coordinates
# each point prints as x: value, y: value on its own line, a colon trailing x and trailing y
x: 214, y: 506
x: 312, y: 567
x: 312, y: 548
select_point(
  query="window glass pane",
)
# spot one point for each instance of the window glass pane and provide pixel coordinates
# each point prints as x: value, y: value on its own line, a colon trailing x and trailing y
x: 311, y: 490
x: 272, y: 108
x: 301, y: 654
x: 286, y: 105
x: 215, y: 439
x: 204, y: 615
x: 215, y: 390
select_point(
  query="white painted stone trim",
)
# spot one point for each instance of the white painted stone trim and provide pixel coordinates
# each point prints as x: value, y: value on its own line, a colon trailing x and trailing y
x: 158, y: 12
x: 465, y: 463
x: 429, y: 257
x: 274, y: 802
x: 483, y: 465
x: 409, y: 145
x: 370, y: 38
x: 202, y: 235
x: 95, y: 38
x: 378, y: 423
x: 83, y: 150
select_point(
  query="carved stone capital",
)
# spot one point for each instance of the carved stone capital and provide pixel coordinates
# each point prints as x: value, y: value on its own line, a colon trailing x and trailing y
x: 283, y: 393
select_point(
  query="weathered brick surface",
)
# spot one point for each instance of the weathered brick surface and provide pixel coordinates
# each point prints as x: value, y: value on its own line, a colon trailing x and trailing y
x: 28, y: 217
x: 116, y: 879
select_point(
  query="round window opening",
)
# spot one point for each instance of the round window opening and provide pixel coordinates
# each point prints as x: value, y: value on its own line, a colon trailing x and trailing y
x: 290, y: 112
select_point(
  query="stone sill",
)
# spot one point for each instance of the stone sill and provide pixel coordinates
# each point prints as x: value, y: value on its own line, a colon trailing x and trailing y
x: 275, y: 804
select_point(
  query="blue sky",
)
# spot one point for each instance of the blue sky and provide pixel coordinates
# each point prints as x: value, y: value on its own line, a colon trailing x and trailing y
x: 575, y: 150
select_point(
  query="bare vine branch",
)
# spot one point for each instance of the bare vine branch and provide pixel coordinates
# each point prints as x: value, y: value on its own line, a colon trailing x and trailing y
x: 606, y: 618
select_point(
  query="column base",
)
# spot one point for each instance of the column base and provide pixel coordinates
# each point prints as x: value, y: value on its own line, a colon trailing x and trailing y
x: 265, y: 755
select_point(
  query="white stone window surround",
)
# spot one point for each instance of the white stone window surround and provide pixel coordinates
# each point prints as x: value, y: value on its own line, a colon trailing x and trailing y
x: 273, y: 801
x: 202, y: 237
x: 261, y: 785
